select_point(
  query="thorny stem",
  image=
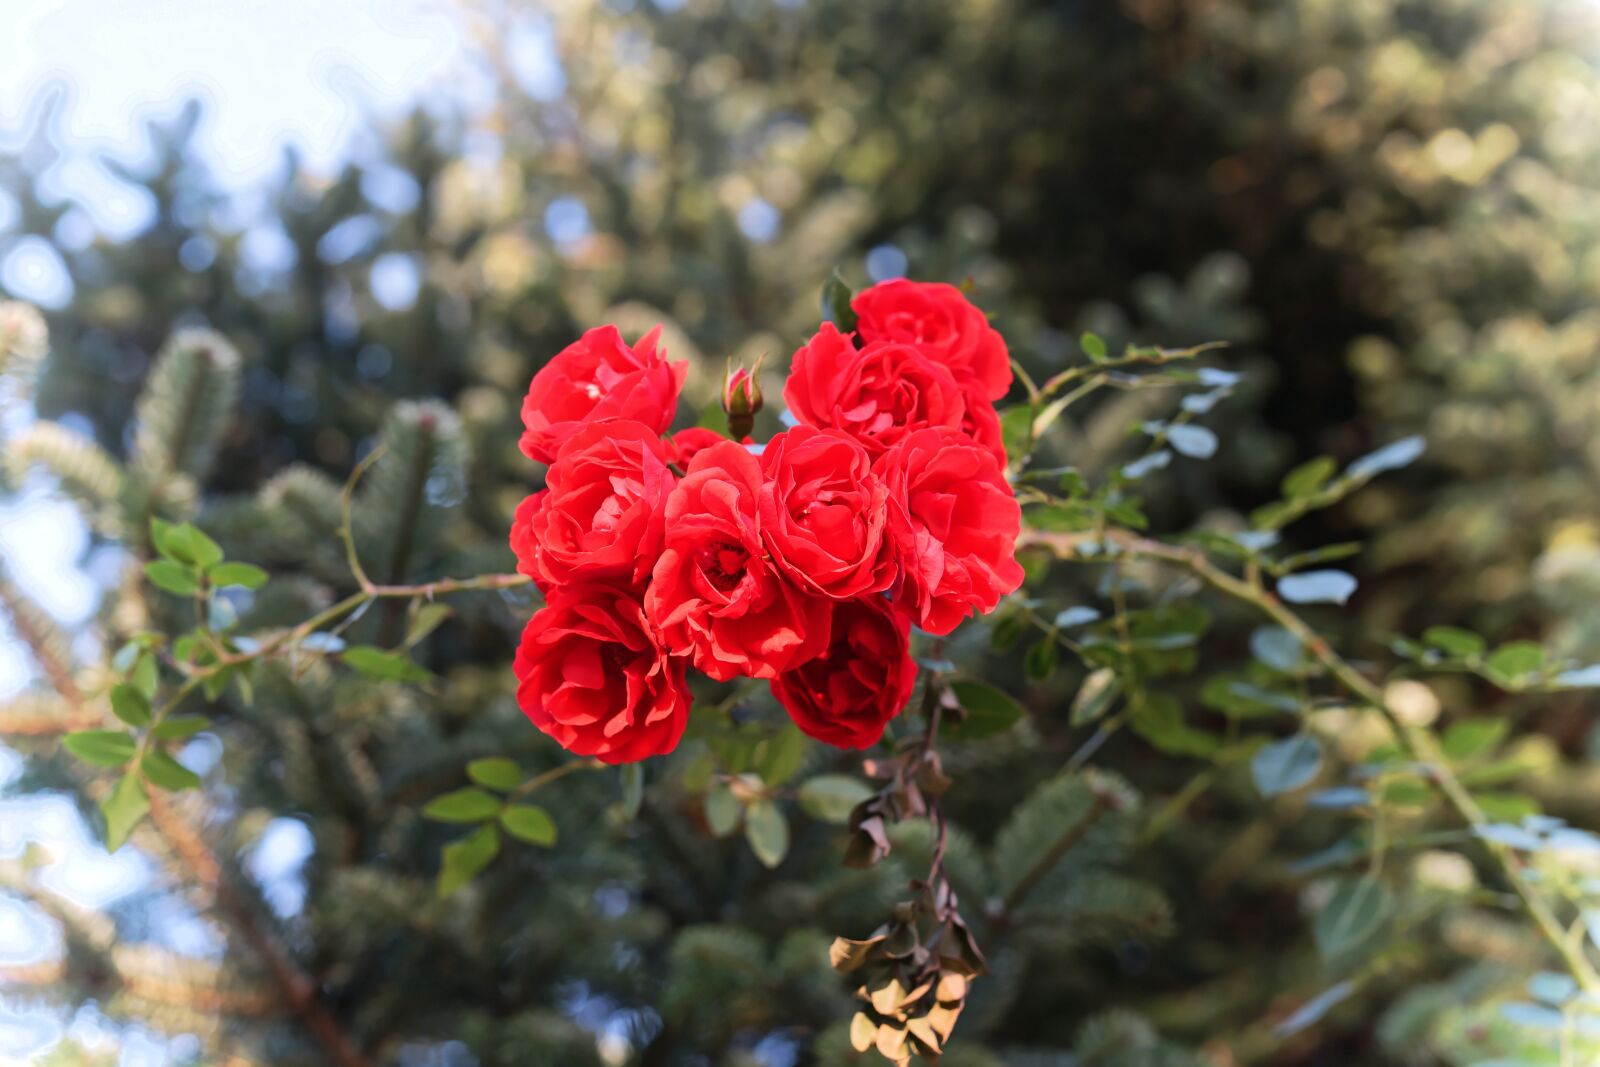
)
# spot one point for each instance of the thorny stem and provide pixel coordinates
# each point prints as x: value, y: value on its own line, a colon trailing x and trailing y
x: 933, y: 711
x: 553, y: 774
x: 1416, y: 741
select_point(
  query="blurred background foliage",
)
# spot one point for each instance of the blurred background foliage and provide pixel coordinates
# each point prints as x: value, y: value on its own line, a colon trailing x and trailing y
x: 1391, y: 208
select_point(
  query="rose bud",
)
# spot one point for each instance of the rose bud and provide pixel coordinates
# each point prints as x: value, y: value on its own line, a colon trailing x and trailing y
x: 741, y: 398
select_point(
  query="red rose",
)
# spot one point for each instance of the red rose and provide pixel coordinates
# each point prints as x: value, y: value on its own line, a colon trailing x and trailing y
x: 593, y: 674
x: 685, y: 443
x: 982, y: 424
x: 599, y: 377
x: 522, y: 539
x: 713, y: 594
x: 823, y: 513
x: 847, y: 695
x: 877, y: 394
x: 602, y: 513
x: 956, y: 522
x: 938, y: 319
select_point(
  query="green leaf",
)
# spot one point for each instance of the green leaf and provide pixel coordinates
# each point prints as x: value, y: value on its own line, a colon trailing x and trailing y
x: 1277, y: 648
x: 426, y: 618
x: 463, y: 805
x: 463, y: 860
x: 1470, y: 738
x: 1463, y: 644
x: 1356, y: 911
x: 1016, y: 431
x: 1510, y: 664
x: 216, y: 683
x: 1317, y: 587
x: 988, y: 710
x: 836, y: 298
x: 722, y: 809
x: 831, y: 797
x: 1196, y: 442
x: 197, y: 548
x: 382, y: 664
x: 778, y: 758
x: 1093, y: 346
x: 103, y: 748
x: 1159, y: 720
x: 130, y: 705
x: 1286, y: 765
x: 1506, y: 807
x: 161, y: 769
x: 496, y: 773
x: 1309, y: 477
x: 160, y: 531
x: 145, y: 676
x: 1391, y: 457
x: 171, y: 577
x: 184, y: 543
x: 767, y: 831
x: 1041, y: 658
x: 1095, y: 696
x: 530, y: 823
x: 179, y: 727
x: 713, y: 418
x: 123, y: 807
x: 246, y: 574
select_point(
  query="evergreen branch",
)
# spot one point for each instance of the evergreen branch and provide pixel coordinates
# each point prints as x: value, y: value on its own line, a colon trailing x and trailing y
x: 1101, y: 802
x: 298, y: 991
x: 31, y: 625
x: 1417, y: 742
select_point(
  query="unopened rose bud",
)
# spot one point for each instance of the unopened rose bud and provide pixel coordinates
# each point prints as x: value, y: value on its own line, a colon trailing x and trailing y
x: 741, y: 399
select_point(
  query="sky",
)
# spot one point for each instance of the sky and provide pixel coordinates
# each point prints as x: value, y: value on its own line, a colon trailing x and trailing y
x: 272, y: 72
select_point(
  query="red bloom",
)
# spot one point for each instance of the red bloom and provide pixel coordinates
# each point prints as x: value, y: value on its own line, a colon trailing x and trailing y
x: 847, y: 695
x: 823, y: 513
x: 599, y: 377
x: 602, y: 513
x: 982, y: 424
x: 523, y: 542
x: 685, y: 443
x: 938, y: 319
x: 593, y: 674
x: 877, y: 394
x: 956, y: 521
x: 713, y: 594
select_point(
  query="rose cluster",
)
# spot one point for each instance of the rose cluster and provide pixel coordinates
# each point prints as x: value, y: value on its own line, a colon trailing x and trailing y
x: 804, y: 562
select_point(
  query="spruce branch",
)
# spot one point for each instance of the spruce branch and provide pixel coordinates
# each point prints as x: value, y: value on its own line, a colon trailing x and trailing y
x: 1101, y: 802
x: 297, y: 990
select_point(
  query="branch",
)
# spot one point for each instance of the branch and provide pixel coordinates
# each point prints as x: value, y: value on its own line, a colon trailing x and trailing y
x: 298, y: 991
x: 1070, y: 838
x: 1417, y: 742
